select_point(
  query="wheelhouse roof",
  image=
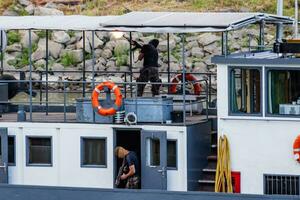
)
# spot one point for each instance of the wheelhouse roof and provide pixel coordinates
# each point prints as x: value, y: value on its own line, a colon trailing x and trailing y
x: 183, y: 22
x: 67, y: 22
x: 160, y: 22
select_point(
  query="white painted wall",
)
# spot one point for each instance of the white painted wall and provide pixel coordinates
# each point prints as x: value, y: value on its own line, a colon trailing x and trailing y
x: 258, y: 145
x: 66, y: 169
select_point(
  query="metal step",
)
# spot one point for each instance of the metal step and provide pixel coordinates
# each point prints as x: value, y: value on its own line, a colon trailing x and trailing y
x: 209, y: 170
x: 206, y: 181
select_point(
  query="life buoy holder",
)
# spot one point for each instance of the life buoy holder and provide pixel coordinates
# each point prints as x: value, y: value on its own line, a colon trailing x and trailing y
x: 95, y: 102
x: 296, y: 148
x: 188, y: 77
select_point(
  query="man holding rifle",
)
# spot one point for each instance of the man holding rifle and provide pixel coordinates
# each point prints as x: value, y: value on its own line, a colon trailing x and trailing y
x: 129, y: 171
x: 149, y: 72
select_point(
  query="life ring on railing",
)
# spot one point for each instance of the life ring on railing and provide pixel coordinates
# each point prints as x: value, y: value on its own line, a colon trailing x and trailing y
x: 296, y: 148
x: 188, y: 77
x: 95, y: 102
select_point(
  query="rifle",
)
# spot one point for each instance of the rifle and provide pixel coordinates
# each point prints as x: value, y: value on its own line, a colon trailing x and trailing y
x: 120, y: 173
x: 134, y: 43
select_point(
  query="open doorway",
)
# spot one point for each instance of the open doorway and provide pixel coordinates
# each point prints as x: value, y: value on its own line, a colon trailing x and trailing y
x: 130, y: 139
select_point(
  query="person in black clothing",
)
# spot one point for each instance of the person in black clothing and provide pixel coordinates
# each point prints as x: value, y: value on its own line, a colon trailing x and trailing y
x: 129, y: 169
x: 149, y: 72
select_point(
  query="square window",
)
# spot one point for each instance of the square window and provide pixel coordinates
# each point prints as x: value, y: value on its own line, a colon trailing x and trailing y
x: 39, y: 150
x: 172, y: 153
x: 11, y: 150
x: 245, y: 91
x: 283, y: 92
x: 93, y: 152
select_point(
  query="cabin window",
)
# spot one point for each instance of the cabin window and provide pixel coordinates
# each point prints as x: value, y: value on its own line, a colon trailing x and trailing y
x: 11, y: 150
x: 245, y: 91
x: 172, y: 154
x: 281, y: 185
x: 284, y: 92
x: 153, y: 152
x: 93, y: 152
x: 39, y: 151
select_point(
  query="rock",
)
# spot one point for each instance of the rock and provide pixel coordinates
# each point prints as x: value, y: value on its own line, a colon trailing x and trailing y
x: 24, y: 2
x: 124, y: 68
x: 16, y: 47
x: 51, y: 5
x: 110, y: 45
x: 172, y: 59
x: 40, y: 53
x: 97, y: 42
x: 115, y: 79
x: 16, y: 54
x: 98, y: 53
x: 211, y: 48
x: 102, y: 35
x: 192, y: 38
x: 52, y: 81
x: 73, y: 40
x: 10, y: 13
x: 197, y: 52
x: 207, y: 38
x: 88, y: 65
x: 101, y: 61
x: 192, y: 44
x: 163, y: 46
x: 42, y: 11
x: 25, y: 38
x: 174, y: 67
x: 30, y: 9
x: 60, y: 37
x: 55, y: 49
x: 79, y: 45
x: 200, y: 67
x: 106, y: 53
x: 77, y: 54
x: 57, y: 67
x: 122, y: 45
x: 71, y: 47
x: 40, y: 64
x: 111, y: 64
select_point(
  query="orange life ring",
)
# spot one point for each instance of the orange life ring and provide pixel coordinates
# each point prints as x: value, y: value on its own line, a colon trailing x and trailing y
x: 296, y: 148
x: 95, y: 102
x: 188, y: 77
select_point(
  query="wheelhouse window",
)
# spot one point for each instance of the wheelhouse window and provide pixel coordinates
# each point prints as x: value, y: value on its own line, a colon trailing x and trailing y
x: 39, y: 151
x: 284, y: 92
x: 172, y: 154
x: 245, y: 91
x: 93, y: 152
x: 11, y: 150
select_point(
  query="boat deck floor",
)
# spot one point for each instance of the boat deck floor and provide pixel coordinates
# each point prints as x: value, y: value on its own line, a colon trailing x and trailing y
x: 58, y: 117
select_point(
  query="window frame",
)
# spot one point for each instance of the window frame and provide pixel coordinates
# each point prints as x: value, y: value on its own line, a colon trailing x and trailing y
x: 173, y: 168
x: 15, y: 153
x: 82, y: 145
x: 28, y: 153
x: 229, y: 106
x: 267, y: 69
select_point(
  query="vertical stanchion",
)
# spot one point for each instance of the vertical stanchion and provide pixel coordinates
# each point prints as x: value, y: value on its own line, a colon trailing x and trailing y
x: 40, y: 87
x: 183, y: 78
x: 93, y: 73
x: 30, y: 76
x: 65, y: 102
x: 131, y: 62
x: 83, y: 68
x: 2, y: 53
x: 261, y: 35
x: 168, y: 47
x: 47, y: 71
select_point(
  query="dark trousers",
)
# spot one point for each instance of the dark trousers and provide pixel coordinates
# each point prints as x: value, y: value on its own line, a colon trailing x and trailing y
x: 149, y: 74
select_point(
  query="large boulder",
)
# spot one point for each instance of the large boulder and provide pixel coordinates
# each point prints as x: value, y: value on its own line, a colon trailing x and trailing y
x: 30, y: 9
x: 79, y: 45
x: 24, y: 2
x: 42, y: 11
x: 106, y: 53
x: 97, y: 42
x: 77, y: 54
x: 163, y: 46
x: 55, y: 49
x: 40, y: 53
x: 207, y: 38
x: 16, y: 47
x: 61, y: 37
x: 197, y: 52
x: 25, y: 38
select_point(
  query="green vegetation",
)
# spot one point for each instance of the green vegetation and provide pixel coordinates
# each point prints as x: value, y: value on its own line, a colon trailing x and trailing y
x: 20, y: 10
x: 23, y: 60
x: 13, y: 37
x: 121, y: 52
x: 68, y: 59
x: 41, y: 34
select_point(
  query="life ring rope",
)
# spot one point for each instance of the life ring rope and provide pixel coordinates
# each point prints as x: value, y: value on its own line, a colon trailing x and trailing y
x: 118, y: 101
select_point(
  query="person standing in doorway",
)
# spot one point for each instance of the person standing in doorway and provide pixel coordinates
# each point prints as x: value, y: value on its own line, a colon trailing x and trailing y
x: 149, y: 72
x: 129, y: 171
